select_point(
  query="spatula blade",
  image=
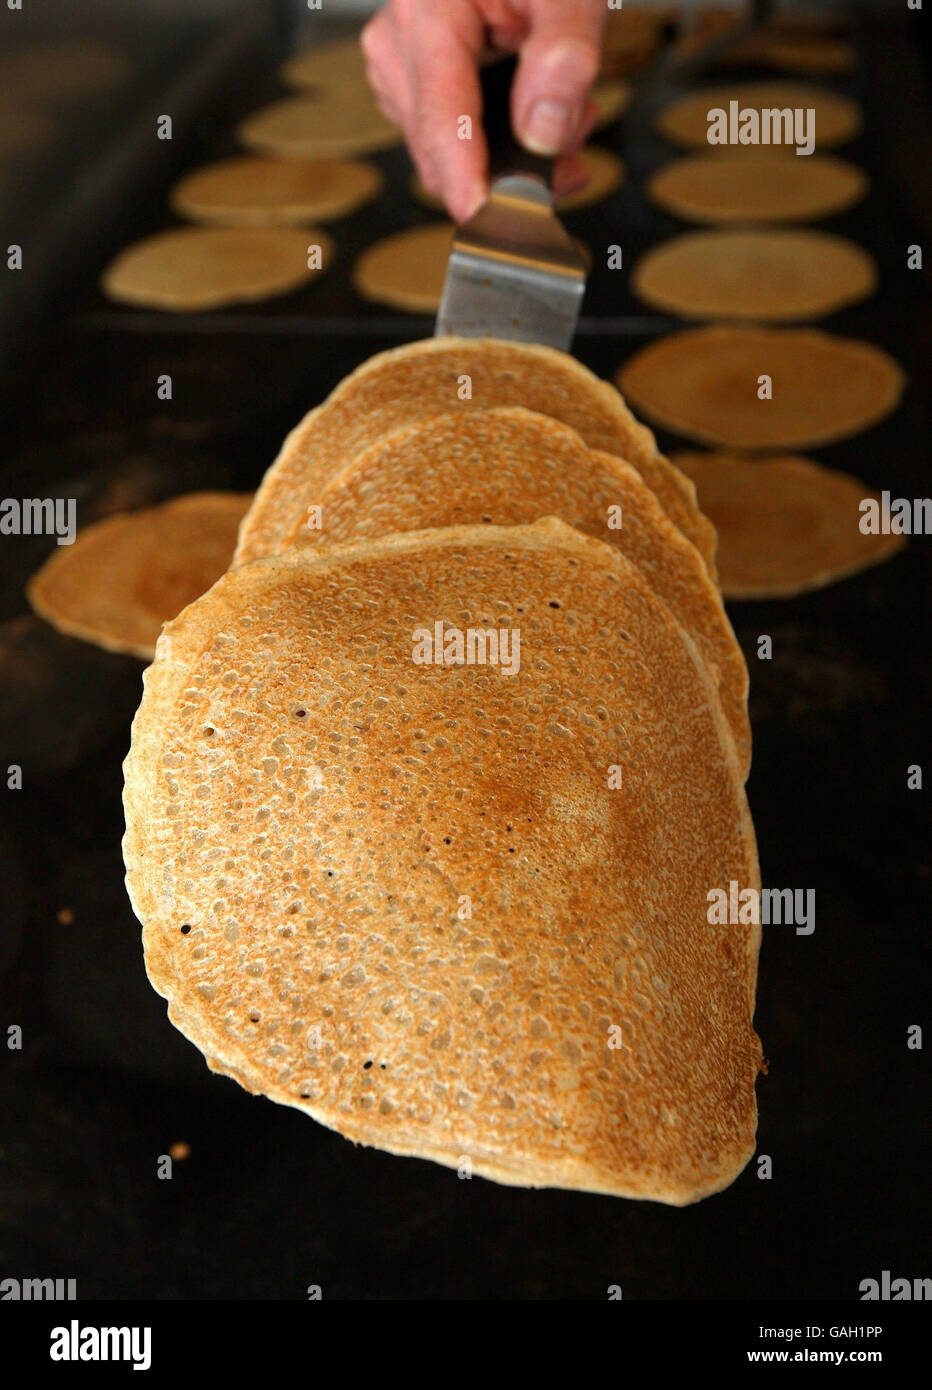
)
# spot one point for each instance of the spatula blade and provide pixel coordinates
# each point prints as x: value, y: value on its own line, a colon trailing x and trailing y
x: 514, y: 272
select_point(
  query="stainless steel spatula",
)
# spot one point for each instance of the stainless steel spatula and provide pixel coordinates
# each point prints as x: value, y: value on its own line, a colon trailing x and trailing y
x: 514, y: 272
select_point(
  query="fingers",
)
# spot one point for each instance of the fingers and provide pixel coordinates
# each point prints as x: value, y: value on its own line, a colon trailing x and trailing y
x: 385, y: 68
x: 448, y: 141
x: 422, y: 59
x: 558, y: 64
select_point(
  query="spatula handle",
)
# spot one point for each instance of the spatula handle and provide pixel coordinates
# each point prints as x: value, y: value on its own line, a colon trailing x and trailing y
x: 506, y: 155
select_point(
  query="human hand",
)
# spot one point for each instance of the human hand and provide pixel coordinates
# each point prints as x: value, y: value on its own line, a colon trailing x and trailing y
x: 423, y: 58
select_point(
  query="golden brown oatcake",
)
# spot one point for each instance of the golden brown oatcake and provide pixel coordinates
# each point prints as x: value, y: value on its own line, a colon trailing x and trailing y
x: 762, y: 273
x: 703, y: 383
x: 196, y: 268
x: 339, y: 63
x: 686, y: 120
x: 509, y: 466
x: 785, y: 525
x: 248, y: 191
x: 127, y: 575
x: 756, y: 187
x: 319, y: 126
x: 606, y: 174
x: 429, y: 377
x: 408, y: 270
x: 405, y: 899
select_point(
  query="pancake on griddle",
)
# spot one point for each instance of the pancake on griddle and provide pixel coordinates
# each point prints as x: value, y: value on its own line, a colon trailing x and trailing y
x: 436, y: 375
x: 703, y: 383
x: 759, y: 186
x: 760, y: 273
x: 411, y: 898
x: 338, y: 64
x: 408, y: 270
x: 127, y: 575
x: 685, y: 121
x: 320, y: 125
x: 248, y: 191
x: 192, y: 269
x: 509, y: 466
x: 785, y: 525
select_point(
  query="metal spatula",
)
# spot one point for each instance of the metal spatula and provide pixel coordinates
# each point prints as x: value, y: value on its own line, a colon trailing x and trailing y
x: 514, y: 272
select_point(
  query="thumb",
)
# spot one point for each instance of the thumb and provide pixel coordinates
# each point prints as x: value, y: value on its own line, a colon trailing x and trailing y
x: 558, y: 63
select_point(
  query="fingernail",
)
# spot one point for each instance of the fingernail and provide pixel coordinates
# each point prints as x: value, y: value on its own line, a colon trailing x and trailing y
x: 547, y: 128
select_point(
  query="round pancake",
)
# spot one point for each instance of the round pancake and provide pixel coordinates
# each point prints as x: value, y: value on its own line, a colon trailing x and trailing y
x: 408, y: 270
x: 509, y: 466
x: 338, y: 63
x: 322, y: 126
x: 785, y: 525
x: 754, y: 274
x: 756, y: 187
x: 606, y: 174
x: 197, y: 268
x: 686, y: 120
x: 248, y: 191
x: 127, y: 575
x: 406, y: 898
x: 436, y: 375
x: 703, y: 384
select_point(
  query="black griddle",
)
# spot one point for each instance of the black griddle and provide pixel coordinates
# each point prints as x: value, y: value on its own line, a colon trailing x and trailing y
x: 269, y: 1202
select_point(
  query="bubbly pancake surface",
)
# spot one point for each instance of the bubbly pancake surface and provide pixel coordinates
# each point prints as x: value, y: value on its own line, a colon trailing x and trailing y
x: 510, y: 466
x: 405, y: 897
x: 436, y: 375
